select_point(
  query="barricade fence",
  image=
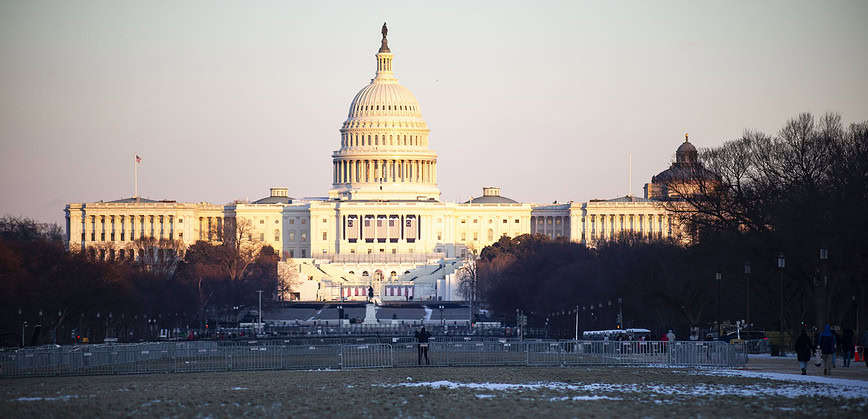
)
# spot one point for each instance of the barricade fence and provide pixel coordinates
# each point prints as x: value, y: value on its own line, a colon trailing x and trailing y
x: 209, y: 356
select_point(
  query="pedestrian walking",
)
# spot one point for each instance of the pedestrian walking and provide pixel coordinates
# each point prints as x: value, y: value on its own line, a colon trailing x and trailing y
x: 422, y: 336
x: 670, y: 336
x: 847, y: 347
x: 827, y: 348
x: 803, y: 351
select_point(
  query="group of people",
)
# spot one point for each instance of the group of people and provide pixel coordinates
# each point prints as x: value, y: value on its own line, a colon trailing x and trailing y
x: 829, y: 344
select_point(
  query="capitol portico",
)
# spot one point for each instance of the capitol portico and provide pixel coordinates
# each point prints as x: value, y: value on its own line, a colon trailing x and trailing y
x: 383, y: 223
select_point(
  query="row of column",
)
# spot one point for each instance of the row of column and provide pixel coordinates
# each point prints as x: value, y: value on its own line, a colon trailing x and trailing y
x: 559, y: 226
x: 127, y: 227
x: 361, y: 140
x: 609, y: 225
x: 210, y: 228
x: 373, y: 171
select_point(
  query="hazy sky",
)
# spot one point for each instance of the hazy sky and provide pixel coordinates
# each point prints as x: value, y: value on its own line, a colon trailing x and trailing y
x: 225, y: 99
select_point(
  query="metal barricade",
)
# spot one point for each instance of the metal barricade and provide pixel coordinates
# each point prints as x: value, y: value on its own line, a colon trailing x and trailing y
x: 204, y: 356
x: 375, y: 355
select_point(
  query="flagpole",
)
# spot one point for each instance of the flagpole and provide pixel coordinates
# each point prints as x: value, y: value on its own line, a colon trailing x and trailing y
x: 136, y: 176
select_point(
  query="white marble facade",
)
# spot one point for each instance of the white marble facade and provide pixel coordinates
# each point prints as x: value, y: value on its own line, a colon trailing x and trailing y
x: 383, y: 223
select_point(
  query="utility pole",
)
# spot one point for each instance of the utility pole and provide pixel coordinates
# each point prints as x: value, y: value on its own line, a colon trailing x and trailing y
x: 577, y: 322
x: 259, y: 325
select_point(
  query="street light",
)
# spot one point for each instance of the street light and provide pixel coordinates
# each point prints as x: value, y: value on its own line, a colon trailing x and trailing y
x: 824, y: 258
x: 259, y: 325
x: 747, y: 291
x: 782, y: 263
x: 718, y: 276
x: 441, y: 314
x: 340, y: 316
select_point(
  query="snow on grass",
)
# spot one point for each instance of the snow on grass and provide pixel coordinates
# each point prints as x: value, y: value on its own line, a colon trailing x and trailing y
x: 583, y: 398
x: 37, y: 399
x: 824, y: 388
x: 811, y: 385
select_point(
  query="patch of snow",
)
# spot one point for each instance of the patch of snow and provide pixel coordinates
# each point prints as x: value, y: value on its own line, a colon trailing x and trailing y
x: 238, y: 388
x: 769, y: 356
x: 36, y: 399
x: 584, y: 398
x: 827, y: 388
x: 779, y: 376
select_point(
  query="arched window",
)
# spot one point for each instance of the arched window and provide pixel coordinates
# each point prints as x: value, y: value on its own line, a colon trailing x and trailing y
x: 364, y: 273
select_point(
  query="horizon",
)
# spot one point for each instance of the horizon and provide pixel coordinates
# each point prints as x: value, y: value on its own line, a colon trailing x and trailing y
x: 223, y: 103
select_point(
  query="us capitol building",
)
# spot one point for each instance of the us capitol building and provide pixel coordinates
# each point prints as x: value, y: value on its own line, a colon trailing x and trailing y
x: 383, y: 224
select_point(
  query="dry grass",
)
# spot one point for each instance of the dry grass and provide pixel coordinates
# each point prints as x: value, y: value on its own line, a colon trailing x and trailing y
x: 383, y: 393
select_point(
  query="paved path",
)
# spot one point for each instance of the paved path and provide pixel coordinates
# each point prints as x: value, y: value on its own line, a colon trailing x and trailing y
x: 789, y: 365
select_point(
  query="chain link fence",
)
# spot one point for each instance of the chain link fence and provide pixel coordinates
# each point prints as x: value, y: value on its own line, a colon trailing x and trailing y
x: 209, y: 356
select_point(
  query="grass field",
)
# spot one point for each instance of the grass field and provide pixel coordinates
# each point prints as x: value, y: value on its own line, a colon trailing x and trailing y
x: 432, y: 392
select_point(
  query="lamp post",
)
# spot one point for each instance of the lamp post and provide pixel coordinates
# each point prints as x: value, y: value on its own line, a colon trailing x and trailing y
x: 824, y: 258
x: 23, y: 323
x: 718, y: 276
x: 442, y: 321
x: 782, y: 263
x: 259, y: 325
x: 340, y: 315
x: 577, y: 322
x: 747, y: 291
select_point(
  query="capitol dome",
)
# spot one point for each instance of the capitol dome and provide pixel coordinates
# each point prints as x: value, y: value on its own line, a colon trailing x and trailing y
x: 384, y: 152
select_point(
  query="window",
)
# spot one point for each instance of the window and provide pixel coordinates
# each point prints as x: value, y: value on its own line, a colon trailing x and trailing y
x: 504, y: 220
x: 291, y: 221
x: 463, y: 221
x: 324, y: 220
x: 439, y: 236
x: 181, y: 220
x: 291, y: 253
x: 516, y: 221
x: 325, y: 235
x: 394, y: 251
x: 475, y: 236
x: 303, y: 236
x: 304, y: 220
x: 463, y: 236
x: 292, y: 236
x: 275, y: 221
x: 324, y: 251
x: 475, y: 221
x: 490, y: 221
x: 262, y: 237
x: 304, y: 253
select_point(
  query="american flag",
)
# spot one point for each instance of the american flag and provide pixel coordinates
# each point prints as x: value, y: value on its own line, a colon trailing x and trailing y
x: 138, y: 159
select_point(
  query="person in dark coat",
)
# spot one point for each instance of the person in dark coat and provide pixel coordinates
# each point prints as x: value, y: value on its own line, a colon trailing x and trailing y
x: 422, y: 338
x: 803, y: 351
x: 827, y: 348
x: 847, y: 347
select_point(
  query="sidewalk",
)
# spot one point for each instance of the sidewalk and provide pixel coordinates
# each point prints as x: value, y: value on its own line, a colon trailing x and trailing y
x: 789, y: 365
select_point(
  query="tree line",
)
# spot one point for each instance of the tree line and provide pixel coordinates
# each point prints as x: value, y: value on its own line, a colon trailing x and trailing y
x: 51, y: 295
x: 777, y: 237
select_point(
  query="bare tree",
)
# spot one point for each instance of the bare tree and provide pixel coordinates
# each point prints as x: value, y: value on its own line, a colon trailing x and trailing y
x: 287, y: 279
x: 240, y: 248
x: 160, y: 256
